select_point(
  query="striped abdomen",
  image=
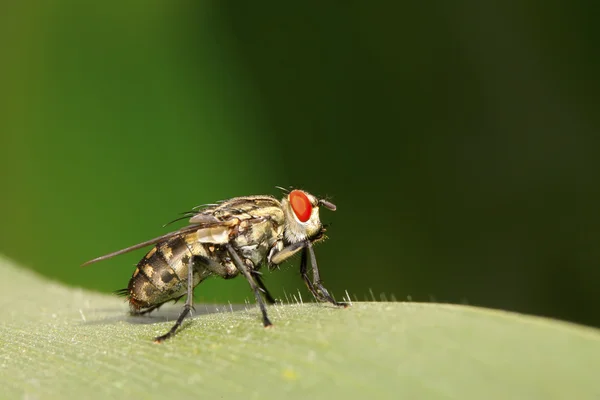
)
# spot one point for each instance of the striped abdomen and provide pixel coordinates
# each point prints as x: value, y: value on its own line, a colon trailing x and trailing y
x: 162, y: 275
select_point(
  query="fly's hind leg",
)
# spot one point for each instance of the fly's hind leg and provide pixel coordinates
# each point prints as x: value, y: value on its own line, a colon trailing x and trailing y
x: 136, y: 313
x: 212, y: 266
x: 187, y: 308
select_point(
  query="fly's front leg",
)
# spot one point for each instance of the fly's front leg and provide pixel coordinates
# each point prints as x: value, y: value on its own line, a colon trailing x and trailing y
x: 304, y: 274
x: 280, y: 254
x: 253, y: 285
x: 316, y: 288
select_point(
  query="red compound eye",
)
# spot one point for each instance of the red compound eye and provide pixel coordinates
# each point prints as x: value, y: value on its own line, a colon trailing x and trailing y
x: 300, y: 204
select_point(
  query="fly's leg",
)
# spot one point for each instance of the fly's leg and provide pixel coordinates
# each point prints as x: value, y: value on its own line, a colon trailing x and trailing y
x: 280, y: 254
x: 187, y: 308
x: 214, y: 267
x: 146, y: 311
x: 304, y: 274
x: 253, y: 285
x: 316, y: 287
x: 222, y: 271
x: 262, y: 287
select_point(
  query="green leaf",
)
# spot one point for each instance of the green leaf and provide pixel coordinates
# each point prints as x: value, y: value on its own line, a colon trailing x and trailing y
x: 60, y: 342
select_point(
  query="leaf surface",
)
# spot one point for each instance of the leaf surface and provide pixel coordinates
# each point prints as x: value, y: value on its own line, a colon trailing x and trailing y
x: 60, y: 342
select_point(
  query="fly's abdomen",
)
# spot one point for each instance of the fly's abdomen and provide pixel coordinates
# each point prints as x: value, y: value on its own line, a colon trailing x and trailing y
x: 162, y: 275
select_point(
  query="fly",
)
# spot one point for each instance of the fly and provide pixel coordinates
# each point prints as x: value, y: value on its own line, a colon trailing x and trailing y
x: 235, y: 236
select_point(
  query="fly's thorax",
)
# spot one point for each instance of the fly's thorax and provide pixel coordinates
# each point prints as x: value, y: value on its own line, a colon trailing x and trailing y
x: 302, y: 220
x: 251, y: 224
x: 254, y: 240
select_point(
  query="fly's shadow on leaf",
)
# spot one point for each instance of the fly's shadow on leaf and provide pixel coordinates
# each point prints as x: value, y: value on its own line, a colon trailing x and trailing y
x: 166, y: 314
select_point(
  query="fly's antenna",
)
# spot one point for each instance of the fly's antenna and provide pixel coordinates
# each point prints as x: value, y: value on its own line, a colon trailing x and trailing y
x: 327, y: 204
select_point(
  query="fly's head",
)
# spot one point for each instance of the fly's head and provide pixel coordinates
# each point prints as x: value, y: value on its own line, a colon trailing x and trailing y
x: 302, y: 220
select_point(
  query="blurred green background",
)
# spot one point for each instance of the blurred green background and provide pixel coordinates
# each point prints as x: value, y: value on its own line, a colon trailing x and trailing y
x: 459, y: 140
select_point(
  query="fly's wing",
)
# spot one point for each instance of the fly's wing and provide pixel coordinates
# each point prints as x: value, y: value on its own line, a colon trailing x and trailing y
x: 199, y: 227
x: 214, y: 223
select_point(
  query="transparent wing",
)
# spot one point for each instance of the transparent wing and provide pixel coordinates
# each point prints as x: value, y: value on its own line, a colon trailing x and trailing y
x: 182, y: 231
x: 226, y: 215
